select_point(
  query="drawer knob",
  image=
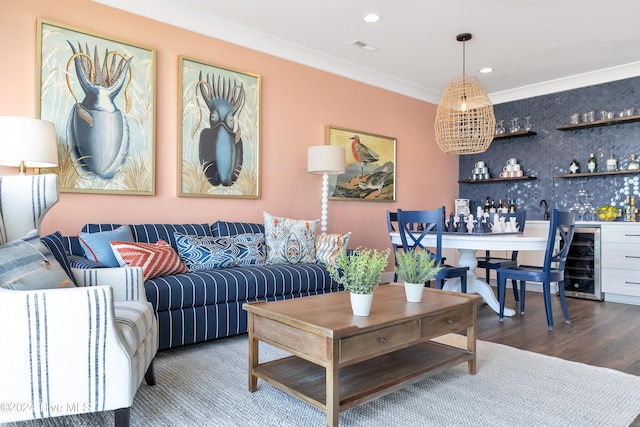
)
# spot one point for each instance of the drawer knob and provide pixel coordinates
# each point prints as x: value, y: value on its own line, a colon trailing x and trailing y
x: 449, y: 321
x: 383, y: 340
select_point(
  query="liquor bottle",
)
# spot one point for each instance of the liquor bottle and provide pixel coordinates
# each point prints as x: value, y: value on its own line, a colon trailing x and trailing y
x: 512, y: 206
x: 612, y: 163
x: 492, y: 207
x: 592, y: 164
x: 626, y: 209
x: 487, y: 205
x: 500, y: 206
x: 632, y: 210
x: 633, y: 163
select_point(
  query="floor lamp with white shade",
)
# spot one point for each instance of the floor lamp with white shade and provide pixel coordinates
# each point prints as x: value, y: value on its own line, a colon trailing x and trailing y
x: 325, y: 160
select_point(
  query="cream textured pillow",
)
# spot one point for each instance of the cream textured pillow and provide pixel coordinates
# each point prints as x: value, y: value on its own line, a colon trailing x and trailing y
x: 329, y: 246
x: 289, y: 241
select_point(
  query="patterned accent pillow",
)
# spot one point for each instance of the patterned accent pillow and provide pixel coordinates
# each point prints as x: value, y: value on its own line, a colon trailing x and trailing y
x: 290, y: 241
x: 27, y: 264
x: 329, y: 246
x: 96, y: 245
x: 206, y: 253
x: 156, y: 259
x: 251, y: 249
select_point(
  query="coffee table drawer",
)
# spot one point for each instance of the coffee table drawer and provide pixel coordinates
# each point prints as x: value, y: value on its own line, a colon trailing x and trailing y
x: 379, y: 341
x: 444, y: 323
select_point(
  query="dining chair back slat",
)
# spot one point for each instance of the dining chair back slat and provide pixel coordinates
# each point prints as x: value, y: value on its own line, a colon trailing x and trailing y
x: 414, y: 227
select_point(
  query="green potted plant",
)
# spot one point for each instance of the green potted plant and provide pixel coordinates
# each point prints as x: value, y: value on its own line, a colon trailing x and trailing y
x: 415, y: 267
x: 359, y: 271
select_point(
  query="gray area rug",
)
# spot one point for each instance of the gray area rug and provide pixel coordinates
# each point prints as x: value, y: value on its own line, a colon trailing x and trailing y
x: 206, y: 384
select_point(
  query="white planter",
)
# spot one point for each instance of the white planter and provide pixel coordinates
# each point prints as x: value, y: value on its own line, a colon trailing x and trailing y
x: 361, y: 304
x: 413, y: 291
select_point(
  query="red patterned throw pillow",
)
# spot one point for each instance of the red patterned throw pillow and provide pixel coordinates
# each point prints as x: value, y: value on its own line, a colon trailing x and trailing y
x: 156, y: 259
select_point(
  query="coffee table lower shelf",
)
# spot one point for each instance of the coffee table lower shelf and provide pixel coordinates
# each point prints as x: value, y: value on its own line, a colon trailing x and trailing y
x: 363, y: 381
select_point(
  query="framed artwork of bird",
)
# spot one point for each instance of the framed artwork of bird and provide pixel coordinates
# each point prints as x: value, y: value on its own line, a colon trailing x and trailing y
x: 370, y: 172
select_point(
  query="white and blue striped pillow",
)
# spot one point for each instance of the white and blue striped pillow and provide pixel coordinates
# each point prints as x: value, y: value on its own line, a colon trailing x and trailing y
x: 27, y: 264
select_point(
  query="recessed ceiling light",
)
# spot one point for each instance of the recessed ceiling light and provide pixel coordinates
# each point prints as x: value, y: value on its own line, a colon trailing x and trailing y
x: 372, y: 18
x: 486, y: 70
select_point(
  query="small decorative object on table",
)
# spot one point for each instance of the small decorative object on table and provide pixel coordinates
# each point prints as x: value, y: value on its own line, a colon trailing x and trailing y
x: 415, y: 267
x: 359, y: 272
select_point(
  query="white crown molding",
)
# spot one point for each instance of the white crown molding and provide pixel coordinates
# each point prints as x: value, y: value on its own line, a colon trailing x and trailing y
x: 573, y: 82
x: 171, y: 13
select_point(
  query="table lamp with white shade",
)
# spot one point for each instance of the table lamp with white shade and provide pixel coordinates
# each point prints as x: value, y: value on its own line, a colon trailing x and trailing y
x: 325, y: 160
x: 27, y: 142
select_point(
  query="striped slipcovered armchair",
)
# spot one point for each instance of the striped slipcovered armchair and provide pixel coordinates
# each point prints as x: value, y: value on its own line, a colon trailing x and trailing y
x: 83, y: 347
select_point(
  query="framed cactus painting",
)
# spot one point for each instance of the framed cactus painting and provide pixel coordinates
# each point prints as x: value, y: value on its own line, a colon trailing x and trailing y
x: 370, y: 173
x: 100, y: 94
x: 219, y: 131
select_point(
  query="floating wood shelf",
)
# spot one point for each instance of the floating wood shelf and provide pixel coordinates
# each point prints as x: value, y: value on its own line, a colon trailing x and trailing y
x: 514, y: 135
x: 598, y: 123
x: 594, y: 174
x: 482, y: 181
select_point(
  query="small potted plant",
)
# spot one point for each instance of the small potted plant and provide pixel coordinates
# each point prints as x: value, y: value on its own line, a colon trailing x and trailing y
x: 415, y: 267
x: 359, y: 272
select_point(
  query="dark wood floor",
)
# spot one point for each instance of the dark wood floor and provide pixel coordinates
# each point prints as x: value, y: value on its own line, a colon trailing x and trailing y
x: 601, y: 333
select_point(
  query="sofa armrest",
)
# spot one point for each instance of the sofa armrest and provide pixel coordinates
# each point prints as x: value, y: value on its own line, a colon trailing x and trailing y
x: 55, y: 339
x: 127, y: 282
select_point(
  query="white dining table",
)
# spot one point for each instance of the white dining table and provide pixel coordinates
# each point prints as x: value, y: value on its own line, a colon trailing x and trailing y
x: 467, y: 245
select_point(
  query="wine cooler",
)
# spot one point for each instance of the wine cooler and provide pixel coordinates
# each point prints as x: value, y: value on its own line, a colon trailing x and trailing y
x: 582, y: 271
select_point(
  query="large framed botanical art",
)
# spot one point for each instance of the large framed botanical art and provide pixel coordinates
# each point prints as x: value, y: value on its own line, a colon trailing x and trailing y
x: 100, y: 94
x: 219, y: 131
x: 370, y: 172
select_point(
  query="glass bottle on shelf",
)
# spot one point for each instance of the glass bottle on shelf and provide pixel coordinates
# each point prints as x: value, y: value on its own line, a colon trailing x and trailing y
x: 612, y: 163
x: 592, y: 164
x: 633, y: 163
x: 512, y: 206
x: 632, y: 210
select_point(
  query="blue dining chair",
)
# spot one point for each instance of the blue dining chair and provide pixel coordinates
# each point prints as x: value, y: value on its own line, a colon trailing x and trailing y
x: 392, y: 218
x: 414, y: 226
x: 561, y: 228
x: 488, y: 262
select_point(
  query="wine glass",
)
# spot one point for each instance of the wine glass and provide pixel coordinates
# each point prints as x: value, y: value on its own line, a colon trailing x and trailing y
x: 500, y: 127
x: 528, y: 126
x: 515, y: 127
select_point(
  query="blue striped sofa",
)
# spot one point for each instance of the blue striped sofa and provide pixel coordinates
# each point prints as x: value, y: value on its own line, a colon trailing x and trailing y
x: 200, y: 306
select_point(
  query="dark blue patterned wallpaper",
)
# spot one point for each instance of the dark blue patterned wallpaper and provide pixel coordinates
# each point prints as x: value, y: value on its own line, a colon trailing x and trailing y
x: 551, y: 151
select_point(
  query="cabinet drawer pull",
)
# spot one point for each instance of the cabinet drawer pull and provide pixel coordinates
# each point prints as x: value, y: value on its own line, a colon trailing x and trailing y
x: 449, y: 321
x: 631, y: 235
x: 632, y: 283
x: 383, y: 340
x: 631, y: 256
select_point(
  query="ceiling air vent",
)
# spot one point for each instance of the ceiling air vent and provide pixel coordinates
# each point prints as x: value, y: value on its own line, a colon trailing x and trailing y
x: 363, y: 45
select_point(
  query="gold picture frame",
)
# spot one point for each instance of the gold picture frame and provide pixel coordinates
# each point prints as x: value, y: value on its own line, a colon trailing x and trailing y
x: 219, y: 131
x: 370, y: 173
x: 100, y: 94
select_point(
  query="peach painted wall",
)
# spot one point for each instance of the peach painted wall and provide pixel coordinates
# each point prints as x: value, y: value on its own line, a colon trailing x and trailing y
x: 297, y: 103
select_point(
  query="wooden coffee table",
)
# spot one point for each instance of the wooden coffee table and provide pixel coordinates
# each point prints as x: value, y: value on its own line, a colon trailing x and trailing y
x: 340, y: 361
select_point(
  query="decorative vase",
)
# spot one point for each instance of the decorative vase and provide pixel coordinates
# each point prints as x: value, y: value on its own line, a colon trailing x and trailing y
x: 361, y: 304
x: 413, y: 291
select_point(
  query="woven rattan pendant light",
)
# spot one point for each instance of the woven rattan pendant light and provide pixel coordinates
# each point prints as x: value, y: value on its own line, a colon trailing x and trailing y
x: 465, y: 123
